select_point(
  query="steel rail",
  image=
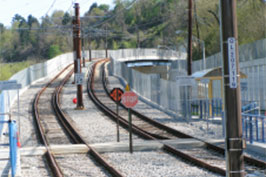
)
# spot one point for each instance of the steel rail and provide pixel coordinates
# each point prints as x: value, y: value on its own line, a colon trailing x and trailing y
x: 106, y: 110
x: 55, y: 168
x: 142, y: 133
x: 73, y: 132
x: 247, y: 159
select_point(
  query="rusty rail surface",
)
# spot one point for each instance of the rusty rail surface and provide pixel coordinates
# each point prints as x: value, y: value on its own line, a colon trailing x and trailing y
x: 143, y: 134
x: 67, y: 126
x: 147, y: 135
x: 73, y: 132
x: 55, y: 168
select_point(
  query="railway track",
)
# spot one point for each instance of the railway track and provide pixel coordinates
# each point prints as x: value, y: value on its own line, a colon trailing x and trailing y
x: 55, y: 127
x: 210, y: 157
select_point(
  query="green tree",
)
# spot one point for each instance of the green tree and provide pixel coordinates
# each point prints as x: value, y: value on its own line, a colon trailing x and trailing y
x: 66, y: 19
x: 54, y: 50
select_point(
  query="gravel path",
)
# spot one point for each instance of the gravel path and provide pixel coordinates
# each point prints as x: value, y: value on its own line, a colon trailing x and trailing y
x: 155, y: 164
x: 25, y: 119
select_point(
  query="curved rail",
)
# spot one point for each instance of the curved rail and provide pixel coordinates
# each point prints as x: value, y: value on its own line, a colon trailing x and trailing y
x: 145, y: 135
x: 250, y: 160
x: 220, y: 150
x: 106, y: 110
x: 68, y: 127
x: 55, y: 168
x: 74, y: 134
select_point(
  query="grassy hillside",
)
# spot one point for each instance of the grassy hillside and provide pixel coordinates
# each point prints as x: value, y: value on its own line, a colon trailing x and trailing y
x: 130, y: 24
x: 9, y: 69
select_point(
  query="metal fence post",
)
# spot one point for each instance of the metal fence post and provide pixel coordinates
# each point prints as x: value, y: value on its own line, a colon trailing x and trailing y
x: 250, y: 130
x: 262, y: 130
x: 257, y: 128
x: 201, y: 109
x: 223, y: 120
x: 13, y: 146
x: 243, y: 125
x: 246, y: 126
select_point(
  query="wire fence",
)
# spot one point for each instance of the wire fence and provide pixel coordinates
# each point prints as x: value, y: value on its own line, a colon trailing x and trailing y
x: 164, y: 93
x: 171, y: 98
x: 252, y: 59
x: 28, y: 76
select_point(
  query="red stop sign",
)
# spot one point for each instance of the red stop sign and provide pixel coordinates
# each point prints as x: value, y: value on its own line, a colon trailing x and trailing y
x: 129, y: 99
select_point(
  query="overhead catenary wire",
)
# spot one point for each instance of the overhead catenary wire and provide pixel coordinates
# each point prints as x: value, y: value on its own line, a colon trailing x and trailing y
x: 52, y: 5
x: 110, y: 18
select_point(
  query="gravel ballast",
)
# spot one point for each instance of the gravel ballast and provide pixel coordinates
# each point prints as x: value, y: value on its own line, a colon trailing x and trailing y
x: 155, y: 164
x: 95, y: 127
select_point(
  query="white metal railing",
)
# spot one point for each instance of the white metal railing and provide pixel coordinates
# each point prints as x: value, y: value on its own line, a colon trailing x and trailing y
x: 29, y: 75
x: 146, y: 54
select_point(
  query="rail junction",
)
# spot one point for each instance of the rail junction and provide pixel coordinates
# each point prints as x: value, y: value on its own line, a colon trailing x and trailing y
x: 68, y: 137
x: 69, y: 119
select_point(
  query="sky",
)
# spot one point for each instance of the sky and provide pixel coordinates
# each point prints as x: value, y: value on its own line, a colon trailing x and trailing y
x: 39, y: 8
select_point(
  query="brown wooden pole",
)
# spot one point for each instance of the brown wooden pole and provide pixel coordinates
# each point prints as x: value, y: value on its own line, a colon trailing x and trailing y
x: 83, y: 50
x: 234, y: 141
x: 106, y: 53
x: 117, y: 113
x: 77, y: 37
x: 89, y: 46
x: 189, y: 49
x: 74, y: 46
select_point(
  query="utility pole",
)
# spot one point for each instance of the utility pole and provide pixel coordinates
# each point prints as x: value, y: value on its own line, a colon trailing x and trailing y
x: 137, y: 25
x: 189, y: 49
x: 89, y: 46
x: 83, y: 50
x: 234, y: 141
x: 77, y: 62
x: 138, y: 42
x: 74, y: 46
x: 106, y: 53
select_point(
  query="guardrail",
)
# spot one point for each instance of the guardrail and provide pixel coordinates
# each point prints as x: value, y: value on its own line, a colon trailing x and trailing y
x: 254, y: 127
x: 207, y: 107
x: 143, y: 54
x: 29, y: 75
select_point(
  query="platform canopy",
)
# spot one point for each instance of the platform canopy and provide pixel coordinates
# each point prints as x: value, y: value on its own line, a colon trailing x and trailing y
x: 208, y: 76
x: 212, y: 74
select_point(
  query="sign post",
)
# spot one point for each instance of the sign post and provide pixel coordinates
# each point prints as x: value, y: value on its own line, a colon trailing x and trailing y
x: 129, y: 100
x: 116, y: 94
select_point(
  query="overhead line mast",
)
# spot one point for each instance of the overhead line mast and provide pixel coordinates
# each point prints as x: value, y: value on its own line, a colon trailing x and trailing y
x: 77, y: 57
x: 234, y: 140
x: 189, y: 49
